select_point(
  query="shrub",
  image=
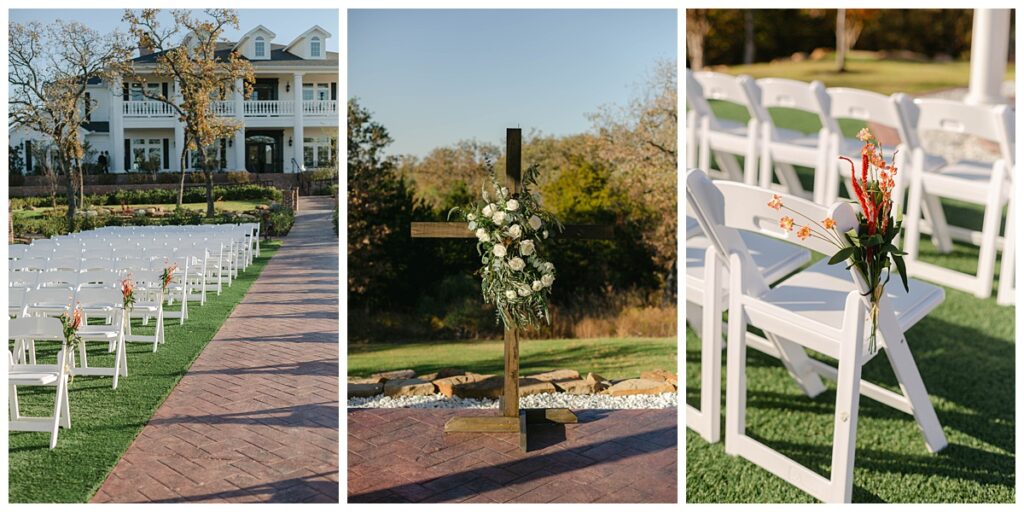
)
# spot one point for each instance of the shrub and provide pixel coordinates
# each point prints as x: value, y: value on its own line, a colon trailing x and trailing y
x: 238, y: 177
x: 184, y: 216
x: 281, y: 219
x: 139, y: 178
x: 168, y: 177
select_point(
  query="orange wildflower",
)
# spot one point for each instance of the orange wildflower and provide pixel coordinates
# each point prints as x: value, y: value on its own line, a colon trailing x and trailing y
x: 804, y: 233
x: 776, y: 202
x: 829, y: 223
x: 864, y: 135
x: 786, y: 223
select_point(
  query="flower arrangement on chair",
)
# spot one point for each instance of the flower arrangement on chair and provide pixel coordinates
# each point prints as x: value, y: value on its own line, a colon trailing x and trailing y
x: 166, y: 276
x: 870, y: 247
x: 128, y: 293
x: 71, y: 322
x: 510, y: 230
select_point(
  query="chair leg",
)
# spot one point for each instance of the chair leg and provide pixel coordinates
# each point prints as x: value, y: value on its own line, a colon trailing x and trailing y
x: 711, y: 350
x: 936, y: 218
x: 990, y: 236
x: 65, y: 412
x: 1007, y: 269
x: 12, y: 402
x: 798, y: 364
x: 58, y: 408
x: 912, y: 220
x: 844, y: 437
x: 902, y: 363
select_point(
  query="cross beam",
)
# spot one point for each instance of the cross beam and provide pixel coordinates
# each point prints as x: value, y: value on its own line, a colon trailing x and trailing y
x: 511, y: 419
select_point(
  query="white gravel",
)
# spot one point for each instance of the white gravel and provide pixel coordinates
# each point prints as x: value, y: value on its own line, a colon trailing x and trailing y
x: 439, y: 401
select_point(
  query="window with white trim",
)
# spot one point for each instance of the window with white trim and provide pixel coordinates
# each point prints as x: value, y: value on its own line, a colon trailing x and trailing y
x: 319, y: 151
x: 261, y: 47
x: 316, y: 91
x: 314, y: 46
x: 153, y: 90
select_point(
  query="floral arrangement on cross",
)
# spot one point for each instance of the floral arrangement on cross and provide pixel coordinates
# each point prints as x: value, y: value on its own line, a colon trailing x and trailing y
x: 510, y: 229
x: 869, y: 248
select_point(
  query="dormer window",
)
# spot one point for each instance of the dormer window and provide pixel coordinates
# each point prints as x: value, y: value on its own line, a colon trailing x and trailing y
x: 314, y: 46
x: 261, y: 47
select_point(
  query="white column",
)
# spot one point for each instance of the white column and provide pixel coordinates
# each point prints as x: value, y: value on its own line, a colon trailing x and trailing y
x: 239, y: 99
x: 297, y: 132
x: 179, y: 132
x: 990, y: 39
x: 116, y: 161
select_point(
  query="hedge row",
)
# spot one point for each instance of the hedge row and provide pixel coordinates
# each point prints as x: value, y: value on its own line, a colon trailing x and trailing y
x: 160, y: 196
x: 281, y: 219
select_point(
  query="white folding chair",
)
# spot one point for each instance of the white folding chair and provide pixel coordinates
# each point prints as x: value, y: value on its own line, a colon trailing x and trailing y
x: 983, y: 183
x: 822, y: 308
x: 782, y: 148
x: 105, y: 302
x: 148, y: 304
x: 21, y: 329
x: 710, y: 134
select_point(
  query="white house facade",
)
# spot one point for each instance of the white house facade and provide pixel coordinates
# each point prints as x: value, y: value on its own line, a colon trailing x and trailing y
x: 289, y: 124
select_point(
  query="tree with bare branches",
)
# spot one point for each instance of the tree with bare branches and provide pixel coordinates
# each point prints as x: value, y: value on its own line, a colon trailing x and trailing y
x: 187, y: 52
x: 50, y: 68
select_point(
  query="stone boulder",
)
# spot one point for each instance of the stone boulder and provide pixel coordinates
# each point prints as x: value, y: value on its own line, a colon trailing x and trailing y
x: 639, y: 387
x: 530, y: 386
x: 365, y: 380
x: 364, y: 390
x: 576, y: 387
x: 408, y: 387
x: 489, y: 387
x: 446, y: 385
x: 556, y: 375
x: 394, y: 375
x: 661, y: 375
x: 819, y: 54
x: 600, y: 383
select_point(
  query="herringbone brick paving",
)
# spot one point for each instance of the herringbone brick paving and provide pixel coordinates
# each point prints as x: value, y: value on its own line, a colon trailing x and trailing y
x: 255, y: 419
x: 610, y: 456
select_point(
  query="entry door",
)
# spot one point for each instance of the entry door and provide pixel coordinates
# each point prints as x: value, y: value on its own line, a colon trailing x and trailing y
x: 263, y: 152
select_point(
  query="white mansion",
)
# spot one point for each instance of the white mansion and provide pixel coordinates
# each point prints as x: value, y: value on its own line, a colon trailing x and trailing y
x: 290, y: 122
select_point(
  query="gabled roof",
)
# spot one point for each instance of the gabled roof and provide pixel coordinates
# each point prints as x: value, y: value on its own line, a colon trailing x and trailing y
x: 278, y: 56
x: 300, y: 37
x: 253, y: 32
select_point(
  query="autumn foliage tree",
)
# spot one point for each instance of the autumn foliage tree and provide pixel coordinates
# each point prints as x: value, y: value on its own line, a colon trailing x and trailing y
x: 50, y: 67
x: 188, y: 53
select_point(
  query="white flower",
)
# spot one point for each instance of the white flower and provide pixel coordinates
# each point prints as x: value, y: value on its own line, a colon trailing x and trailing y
x: 510, y: 294
x: 488, y: 211
x: 512, y: 205
x: 499, y: 251
x: 472, y: 225
x: 481, y: 233
x: 499, y: 217
x: 517, y: 264
x: 547, y: 279
x: 537, y: 285
x: 504, y: 192
x: 545, y: 234
x: 526, y: 247
x: 535, y: 223
x: 471, y: 216
x: 524, y: 291
x: 548, y: 266
x: 515, y: 231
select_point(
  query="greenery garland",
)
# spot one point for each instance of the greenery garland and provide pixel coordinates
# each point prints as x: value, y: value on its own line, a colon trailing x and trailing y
x: 510, y: 230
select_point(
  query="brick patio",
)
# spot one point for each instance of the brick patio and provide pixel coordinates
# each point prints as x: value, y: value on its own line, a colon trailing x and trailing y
x: 255, y: 419
x: 620, y: 456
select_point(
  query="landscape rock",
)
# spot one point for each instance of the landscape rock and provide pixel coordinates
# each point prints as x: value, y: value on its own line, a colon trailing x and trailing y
x: 395, y: 375
x: 819, y: 54
x: 556, y: 375
x: 444, y: 373
x: 661, y: 375
x: 364, y: 390
x: 446, y: 385
x: 489, y: 387
x: 365, y: 380
x: 600, y: 383
x: 530, y: 386
x: 408, y: 387
x: 577, y: 387
x: 639, y: 387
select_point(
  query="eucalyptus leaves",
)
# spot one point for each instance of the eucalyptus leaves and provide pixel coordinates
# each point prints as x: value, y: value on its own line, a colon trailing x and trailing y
x: 510, y: 229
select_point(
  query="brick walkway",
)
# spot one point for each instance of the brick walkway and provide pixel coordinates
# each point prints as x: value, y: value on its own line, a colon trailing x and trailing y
x: 256, y: 417
x: 621, y: 456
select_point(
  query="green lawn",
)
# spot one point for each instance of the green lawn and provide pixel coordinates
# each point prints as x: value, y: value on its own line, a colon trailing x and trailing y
x: 105, y: 421
x: 612, y: 358
x: 965, y: 352
x: 865, y: 71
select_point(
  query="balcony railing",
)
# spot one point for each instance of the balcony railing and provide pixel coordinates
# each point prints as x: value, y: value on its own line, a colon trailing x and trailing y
x: 147, y: 109
x: 320, y: 108
x: 223, y: 108
x: 269, y: 108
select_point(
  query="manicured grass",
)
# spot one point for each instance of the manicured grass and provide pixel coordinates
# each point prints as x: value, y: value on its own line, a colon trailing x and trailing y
x: 965, y: 352
x: 232, y: 206
x: 866, y: 71
x: 612, y: 358
x: 104, y: 421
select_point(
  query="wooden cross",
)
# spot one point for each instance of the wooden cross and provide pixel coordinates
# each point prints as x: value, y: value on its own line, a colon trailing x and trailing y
x: 511, y: 419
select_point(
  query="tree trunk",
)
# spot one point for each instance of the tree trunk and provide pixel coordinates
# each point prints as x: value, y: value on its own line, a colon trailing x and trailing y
x: 181, y: 181
x: 70, y: 190
x: 695, y: 47
x: 748, y: 31
x: 81, y: 183
x: 209, y: 194
x: 841, y: 40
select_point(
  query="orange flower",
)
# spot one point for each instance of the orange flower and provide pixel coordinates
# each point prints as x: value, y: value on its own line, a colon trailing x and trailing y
x: 864, y: 135
x: 829, y: 223
x: 76, y: 318
x: 776, y: 202
x: 786, y: 223
x: 804, y: 233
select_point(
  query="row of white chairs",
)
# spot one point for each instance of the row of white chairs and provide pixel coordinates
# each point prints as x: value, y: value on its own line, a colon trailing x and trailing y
x: 770, y: 152
x: 739, y: 260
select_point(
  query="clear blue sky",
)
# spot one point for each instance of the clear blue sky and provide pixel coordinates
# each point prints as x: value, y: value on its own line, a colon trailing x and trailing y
x: 434, y: 77
x: 286, y: 23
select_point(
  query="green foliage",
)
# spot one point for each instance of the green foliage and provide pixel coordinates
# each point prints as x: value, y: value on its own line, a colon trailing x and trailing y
x: 281, y: 219
x: 250, y: 192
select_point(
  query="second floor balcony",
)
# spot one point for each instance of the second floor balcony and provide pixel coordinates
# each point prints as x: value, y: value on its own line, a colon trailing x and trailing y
x: 251, y: 109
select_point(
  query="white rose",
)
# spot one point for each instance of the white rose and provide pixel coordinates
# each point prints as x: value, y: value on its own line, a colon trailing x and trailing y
x: 481, y: 233
x: 499, y: 251
x: 471, y: 217
x: 517, y: 264
x: 488, y: 211
x: 548, y: 266
x: 510, y: 294
x: 524, y: 291
x: 535, y: 223
x: 499, y: 217
x: 504, y: 191
x: 472, y: 225
x: 512, y: 205
x: 515, y: 231
x: 545, y: 234
x: 526, y: 247
x: 547, y: 279
x: 537, y: 285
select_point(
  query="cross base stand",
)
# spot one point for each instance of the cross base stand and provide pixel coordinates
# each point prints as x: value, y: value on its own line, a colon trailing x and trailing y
x: 511, y: 424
